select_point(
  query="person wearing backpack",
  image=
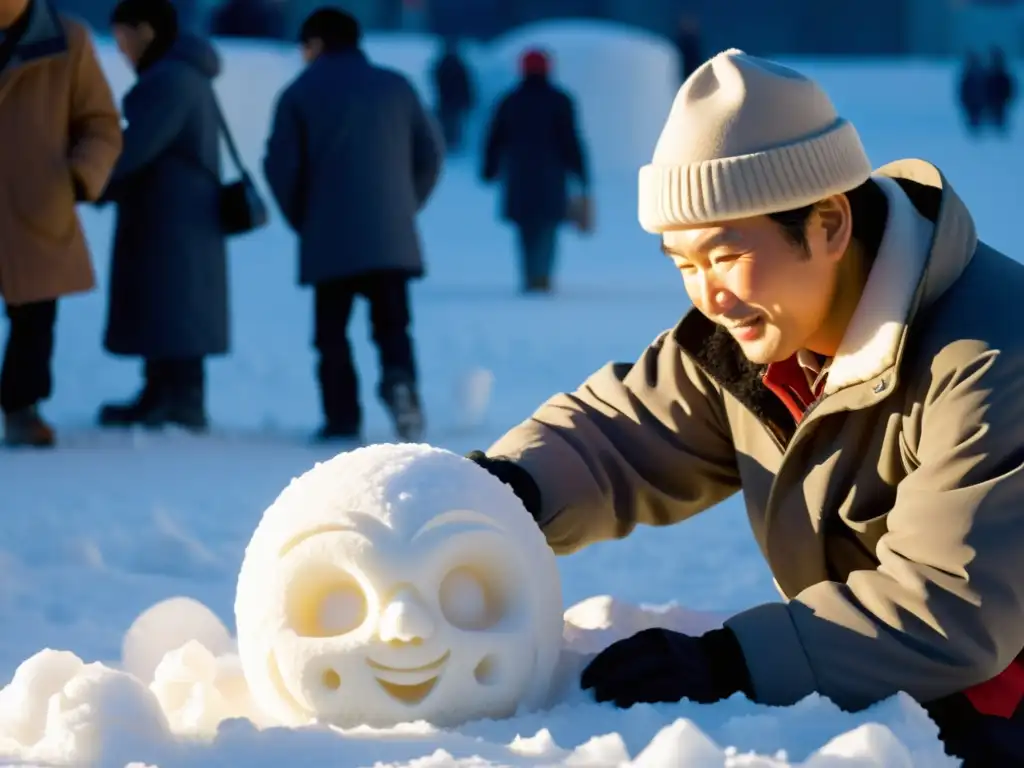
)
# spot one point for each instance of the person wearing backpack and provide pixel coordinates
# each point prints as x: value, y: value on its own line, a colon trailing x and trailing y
x: 168, y: 301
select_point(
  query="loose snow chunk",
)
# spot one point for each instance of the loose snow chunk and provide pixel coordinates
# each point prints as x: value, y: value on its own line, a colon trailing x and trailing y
x: 869, y: 745
x: 198, y: 691
x: 681, y: 743
x: 58, y: 710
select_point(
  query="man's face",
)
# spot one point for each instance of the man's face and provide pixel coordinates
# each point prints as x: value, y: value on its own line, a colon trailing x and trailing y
x: 10, y: 10
x: 772, y: 294
x: 311, y: 49
x: 133, y: 41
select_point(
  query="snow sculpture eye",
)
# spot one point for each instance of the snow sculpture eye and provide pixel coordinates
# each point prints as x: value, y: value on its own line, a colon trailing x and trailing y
x: 325, y: 602
x: 472, y: 599
x: 397, y: 583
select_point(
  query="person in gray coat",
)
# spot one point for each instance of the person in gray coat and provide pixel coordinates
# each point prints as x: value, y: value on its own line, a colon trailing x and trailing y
x: 168, y: 295
x: 351, y: 158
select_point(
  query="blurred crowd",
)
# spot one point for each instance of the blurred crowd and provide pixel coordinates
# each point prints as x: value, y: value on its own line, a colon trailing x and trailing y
x: 351, y: 158
x: 987, y: 91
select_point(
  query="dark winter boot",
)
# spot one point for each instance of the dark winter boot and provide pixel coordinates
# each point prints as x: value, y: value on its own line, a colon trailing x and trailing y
x: 183, y: 407
x: 26, y: 428
x: 538, y: 285
x: 132, y: 413
x: 404, y: 406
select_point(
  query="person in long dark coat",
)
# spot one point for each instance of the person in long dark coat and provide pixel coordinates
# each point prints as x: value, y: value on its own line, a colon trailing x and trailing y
x: 168, y: 301
x: 454, y: 94
x: 999, y: 90
x: 533, y: 147
x: 351, y: 159
x: 973, y: 91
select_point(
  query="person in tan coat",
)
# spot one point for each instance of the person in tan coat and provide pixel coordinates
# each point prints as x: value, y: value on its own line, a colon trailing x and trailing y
x: 60, y: 135
x: 850, y: 368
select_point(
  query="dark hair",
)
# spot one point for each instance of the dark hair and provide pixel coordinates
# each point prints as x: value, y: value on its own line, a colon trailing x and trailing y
x: 868, y: 206
x: 337, y: 30
x: 159, y: 14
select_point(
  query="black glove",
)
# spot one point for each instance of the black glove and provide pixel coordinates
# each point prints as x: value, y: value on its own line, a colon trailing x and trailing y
x: 512, y: 475
x: 659, y: 665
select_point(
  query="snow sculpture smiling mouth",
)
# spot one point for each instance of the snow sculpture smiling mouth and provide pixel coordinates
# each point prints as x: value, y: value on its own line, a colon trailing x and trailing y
x: 409, y: 693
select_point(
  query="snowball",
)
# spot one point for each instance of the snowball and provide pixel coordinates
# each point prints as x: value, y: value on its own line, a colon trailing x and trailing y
x: 396, y: 583
x: 167, y: 626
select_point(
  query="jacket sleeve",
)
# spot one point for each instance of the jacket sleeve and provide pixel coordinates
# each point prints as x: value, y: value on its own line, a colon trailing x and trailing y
x: 283, y: 162
x: 494, y: 143
x: 95, y: 123
x: 643, y: 443
x: 155, y: 111
x: 427, y: 150
x: 944, y: 611
x: 573, y: 154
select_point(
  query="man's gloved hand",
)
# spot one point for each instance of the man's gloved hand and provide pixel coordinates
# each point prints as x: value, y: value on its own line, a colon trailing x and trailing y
x: 659, y: 665
x: 512, y: 475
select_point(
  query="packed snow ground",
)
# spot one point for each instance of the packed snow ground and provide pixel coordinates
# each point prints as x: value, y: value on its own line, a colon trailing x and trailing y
x: 110, y: 524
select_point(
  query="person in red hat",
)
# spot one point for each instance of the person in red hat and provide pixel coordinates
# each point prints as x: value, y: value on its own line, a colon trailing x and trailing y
x: 533, y: 148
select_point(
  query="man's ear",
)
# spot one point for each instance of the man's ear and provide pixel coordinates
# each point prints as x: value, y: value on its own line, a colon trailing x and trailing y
x: 835, y: 217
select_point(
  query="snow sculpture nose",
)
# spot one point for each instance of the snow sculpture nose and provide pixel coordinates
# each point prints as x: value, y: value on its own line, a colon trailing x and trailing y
x: 406, y: 619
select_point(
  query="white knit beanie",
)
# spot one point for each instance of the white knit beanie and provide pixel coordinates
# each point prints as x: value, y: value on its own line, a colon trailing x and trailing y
x: 745, y: 137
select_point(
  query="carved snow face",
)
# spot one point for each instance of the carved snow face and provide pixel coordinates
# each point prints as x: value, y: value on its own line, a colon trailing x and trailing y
x: 398, y: 583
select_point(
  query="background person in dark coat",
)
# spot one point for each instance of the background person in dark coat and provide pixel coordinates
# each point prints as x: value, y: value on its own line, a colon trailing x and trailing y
x: 973, y: 91
x: 351, y: 159
x: 453, y: 94
x: 533, y: 146
x: 688, y: 47
x: 168, y: 300
x: 999, y: 90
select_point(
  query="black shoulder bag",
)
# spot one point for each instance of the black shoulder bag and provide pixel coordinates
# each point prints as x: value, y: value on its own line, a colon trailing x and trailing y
x: 241, y: 207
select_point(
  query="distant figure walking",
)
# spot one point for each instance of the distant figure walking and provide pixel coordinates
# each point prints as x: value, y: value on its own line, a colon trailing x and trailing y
x: 454, y: 94
x: 351, y: 159
x: 973, y: 91
x: 168, y: 301
x: 1001, y: 88
x: 533, y: 147
x: 688, y: 47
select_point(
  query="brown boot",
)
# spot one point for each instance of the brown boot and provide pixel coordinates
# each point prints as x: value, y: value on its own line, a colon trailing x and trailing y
x: 26, y: 428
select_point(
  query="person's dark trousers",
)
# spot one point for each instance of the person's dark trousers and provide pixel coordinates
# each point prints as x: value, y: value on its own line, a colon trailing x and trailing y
x: 26, y: 377
x: 537, y: 245
x: 451, y: 127
x: 388, y: 296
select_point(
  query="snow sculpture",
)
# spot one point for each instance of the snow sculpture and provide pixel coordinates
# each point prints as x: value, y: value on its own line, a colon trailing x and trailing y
x: 397, y: 583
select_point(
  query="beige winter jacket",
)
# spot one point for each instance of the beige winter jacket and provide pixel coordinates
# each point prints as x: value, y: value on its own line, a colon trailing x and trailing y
x: 58, y: 127
x: 892, y: 517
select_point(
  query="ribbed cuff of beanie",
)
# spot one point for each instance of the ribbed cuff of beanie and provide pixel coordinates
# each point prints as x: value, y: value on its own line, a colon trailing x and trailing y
x: 778, y: 179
